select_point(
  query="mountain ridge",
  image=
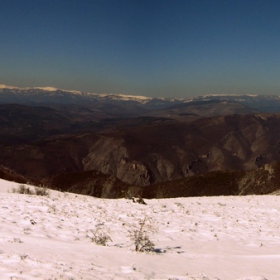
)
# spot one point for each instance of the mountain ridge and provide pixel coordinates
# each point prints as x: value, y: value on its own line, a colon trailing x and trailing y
x: 34, y: 95
x: 139, y: 144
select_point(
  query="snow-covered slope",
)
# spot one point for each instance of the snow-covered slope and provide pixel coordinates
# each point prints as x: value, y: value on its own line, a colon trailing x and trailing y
x: 197, y: 238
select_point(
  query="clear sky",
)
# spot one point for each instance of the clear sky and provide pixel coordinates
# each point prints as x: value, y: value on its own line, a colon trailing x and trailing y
x: 168, y: 48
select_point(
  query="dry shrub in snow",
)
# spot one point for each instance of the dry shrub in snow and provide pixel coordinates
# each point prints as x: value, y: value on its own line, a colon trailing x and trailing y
x: 22, y: 189
x: 140, y: 235
x: 99, y: 236
x: 43, y: 191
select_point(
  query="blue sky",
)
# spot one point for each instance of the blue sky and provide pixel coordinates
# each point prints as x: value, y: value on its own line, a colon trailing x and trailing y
x: 172, y: 48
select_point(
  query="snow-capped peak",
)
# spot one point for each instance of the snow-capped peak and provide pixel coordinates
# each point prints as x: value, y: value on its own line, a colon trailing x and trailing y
x: 46, y: 88
x: 2, y: 86
x: 112, y: 96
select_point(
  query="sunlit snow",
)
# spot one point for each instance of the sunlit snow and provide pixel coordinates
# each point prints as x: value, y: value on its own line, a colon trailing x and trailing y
x: 205, y: 238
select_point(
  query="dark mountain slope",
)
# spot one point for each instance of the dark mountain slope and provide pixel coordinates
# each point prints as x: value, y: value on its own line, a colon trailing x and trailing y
x: 92, y: 183
x: 170, y: 150
x: 140, y: 150
x: 10, y: 175
x: 155, y: 150
x: 265, y: 180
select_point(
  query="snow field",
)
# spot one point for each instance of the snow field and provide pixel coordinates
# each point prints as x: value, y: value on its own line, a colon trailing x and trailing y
x: 207, y: 238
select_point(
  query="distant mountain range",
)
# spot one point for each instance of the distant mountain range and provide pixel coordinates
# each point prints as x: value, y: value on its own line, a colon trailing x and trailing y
x: 50, y: 95
x: 119, y: 141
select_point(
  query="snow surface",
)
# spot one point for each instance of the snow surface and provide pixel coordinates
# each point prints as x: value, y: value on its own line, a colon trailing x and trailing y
x: 202, y: 238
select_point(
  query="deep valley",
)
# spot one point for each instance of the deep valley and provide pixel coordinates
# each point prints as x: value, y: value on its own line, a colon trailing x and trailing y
x: 116, y: 145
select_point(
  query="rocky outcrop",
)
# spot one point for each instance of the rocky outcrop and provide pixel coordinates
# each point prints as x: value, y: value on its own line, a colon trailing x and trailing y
x: 110, y: 156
